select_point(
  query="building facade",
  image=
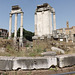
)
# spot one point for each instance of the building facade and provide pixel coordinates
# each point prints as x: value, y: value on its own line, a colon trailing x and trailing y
x: 69, y: 31
x: 3, y: 33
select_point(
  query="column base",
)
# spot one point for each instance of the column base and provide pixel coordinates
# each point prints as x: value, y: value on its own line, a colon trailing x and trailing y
x: 9, y: 37
x: 21, y: 42
x: 15, y: 40
x: 35, y: 37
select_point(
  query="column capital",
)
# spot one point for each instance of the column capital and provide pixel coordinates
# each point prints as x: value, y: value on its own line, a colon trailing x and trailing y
x: 35, y: 13
x: 53, y: 13
x: 42, y: 12
x: 50, y: 12
x: 22, y: 14
x: 16, y: 13
x: 10, y: 15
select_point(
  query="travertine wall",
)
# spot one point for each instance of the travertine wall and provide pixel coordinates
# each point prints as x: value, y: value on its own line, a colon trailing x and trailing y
x: 29, y: 63
x: 43, y: 23
x: 39, y: 23
x: 26, y: 63
x: 46, y: 23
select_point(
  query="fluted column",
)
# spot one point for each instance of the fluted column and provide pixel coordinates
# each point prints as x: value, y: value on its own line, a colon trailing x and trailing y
x: 21, y: 30
x: 15, y: 33
x: 54, y: 21
x: 10, y: 26
x: 50, y: 23
x: 35, y: 23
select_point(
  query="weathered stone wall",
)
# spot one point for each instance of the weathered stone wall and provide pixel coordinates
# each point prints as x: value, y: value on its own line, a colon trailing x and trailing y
x: 43, y: 23
x: 26, y: 63
x: 66, y: 60
x: 43, y: 20
x: 29, y: 63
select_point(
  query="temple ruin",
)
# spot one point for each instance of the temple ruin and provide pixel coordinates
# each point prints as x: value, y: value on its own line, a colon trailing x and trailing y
x: 43, y: 20
x: 16, y: 10
x: 44, y: 28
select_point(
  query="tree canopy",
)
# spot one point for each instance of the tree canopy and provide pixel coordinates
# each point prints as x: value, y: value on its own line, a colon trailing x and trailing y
x: 26, y: 34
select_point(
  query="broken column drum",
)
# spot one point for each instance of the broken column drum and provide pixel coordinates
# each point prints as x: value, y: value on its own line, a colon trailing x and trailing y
x: 16, y: 10
x: 43, y: 20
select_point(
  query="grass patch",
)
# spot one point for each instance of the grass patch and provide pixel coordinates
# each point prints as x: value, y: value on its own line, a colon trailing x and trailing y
x: 35, y: 52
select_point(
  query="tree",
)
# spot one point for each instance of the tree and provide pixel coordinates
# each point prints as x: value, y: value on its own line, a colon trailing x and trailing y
x: 26, y: 34
x: 0, y: 34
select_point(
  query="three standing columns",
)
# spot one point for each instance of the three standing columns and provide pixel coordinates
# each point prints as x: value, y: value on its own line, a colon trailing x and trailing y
x: 15, y: 32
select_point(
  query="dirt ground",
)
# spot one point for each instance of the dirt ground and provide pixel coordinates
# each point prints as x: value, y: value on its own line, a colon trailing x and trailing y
x: 38, y: 72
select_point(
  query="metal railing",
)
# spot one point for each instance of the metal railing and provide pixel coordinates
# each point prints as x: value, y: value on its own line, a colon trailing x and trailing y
x: 65, y: 73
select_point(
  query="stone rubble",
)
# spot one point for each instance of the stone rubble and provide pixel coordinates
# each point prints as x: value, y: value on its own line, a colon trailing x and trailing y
x: 57, y: 50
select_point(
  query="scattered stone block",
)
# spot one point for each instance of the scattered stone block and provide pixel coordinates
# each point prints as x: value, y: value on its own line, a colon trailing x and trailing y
x: 6, y: 63
x: 2, y: 49
x: 66, y: 60
x: 35, y: 37
x: 49, y: 53
x: 58, y: 50
x: 42, y: 37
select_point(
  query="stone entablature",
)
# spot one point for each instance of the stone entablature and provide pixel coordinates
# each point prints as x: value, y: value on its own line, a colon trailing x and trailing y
x: 16, y: 9
x: 45, y: 7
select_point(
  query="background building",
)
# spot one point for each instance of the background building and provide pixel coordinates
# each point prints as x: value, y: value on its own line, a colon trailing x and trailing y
x: 3, y: 33
x: 69, y: 31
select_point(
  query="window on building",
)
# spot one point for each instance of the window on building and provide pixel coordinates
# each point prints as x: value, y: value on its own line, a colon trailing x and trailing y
x: 74, y: 35
x: 0, y: 33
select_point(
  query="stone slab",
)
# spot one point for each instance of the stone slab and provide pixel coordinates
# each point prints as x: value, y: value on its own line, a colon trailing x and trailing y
x: 57, y: 50
x: 28, y: 63
x: 35, y: 37
x: 49, y: 53
x: 6, y: 63
x: 66, y: 60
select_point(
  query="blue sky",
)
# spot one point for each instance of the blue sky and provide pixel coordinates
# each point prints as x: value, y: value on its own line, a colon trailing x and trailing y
x: 65, y: 11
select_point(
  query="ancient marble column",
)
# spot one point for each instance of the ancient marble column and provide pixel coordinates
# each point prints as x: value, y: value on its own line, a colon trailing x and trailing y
x: 54, y: 20
x: 50, y: 23
x: 21, y: 30
x: 35, y: 24
x: 10, y: 26
x: 15, y: 33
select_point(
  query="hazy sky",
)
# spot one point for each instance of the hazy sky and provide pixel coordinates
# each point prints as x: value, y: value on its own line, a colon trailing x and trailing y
x: 65, y: 11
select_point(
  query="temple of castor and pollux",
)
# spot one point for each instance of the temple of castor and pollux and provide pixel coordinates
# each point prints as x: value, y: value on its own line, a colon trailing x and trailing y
x: 16, y: 10
x: 45, y: 25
